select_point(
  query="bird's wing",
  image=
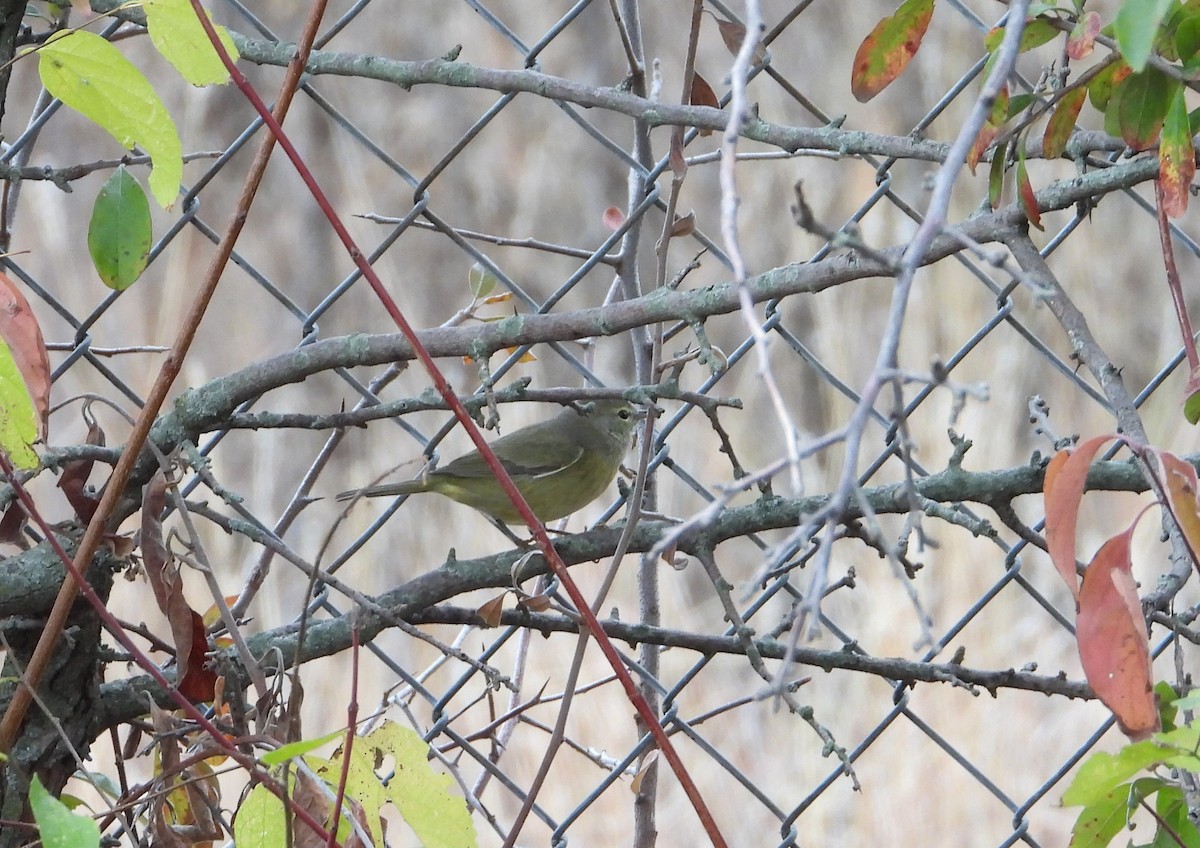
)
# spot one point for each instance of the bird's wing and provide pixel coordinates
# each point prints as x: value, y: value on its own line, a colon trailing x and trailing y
x: 553, y: 455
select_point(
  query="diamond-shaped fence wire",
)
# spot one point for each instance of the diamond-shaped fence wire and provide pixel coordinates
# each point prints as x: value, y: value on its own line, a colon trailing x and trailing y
x: 529, y: 164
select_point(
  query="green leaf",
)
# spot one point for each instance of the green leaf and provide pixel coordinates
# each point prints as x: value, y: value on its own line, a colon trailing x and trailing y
x: 1037, y: 31
x: 1101, y: 773
x: 179, y: 37
x: 1138, y: 106
x: 296, y: 749
x: 119, y: 235
x: 481, y: 280
x: 996, y: 176
x: 92, y: 77
x: 18, y: 420
x: 260, y: 820
x: 1136, y: 28
x: 58, y: 826
x: 1176, y: 827
x: 1102, y: 820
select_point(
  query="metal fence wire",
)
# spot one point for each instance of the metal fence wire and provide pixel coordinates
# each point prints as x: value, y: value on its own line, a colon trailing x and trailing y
x: 933, y: 701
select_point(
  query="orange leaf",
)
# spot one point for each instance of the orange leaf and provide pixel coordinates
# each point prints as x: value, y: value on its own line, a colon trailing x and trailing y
x: 1179, y: 480
x: 1062, y: 490
x: 1114, y: 646
x: 1083, y: 36
x: 20, y: 330
x: 886, y: 52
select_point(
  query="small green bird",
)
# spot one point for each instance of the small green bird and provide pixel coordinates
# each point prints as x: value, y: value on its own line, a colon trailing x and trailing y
x: 559, y: 465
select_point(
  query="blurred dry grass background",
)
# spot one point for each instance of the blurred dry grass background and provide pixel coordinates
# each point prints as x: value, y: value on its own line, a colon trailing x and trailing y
x: 533, y: 173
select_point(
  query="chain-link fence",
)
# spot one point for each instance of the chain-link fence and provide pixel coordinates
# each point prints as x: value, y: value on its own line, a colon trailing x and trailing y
x: 928, y: 706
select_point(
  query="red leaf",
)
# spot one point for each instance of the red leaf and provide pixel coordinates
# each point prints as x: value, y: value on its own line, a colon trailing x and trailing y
x: 886, y: 52
x: 19, y: 329
x: 195, y: 681
x: 1026, y: 194
x: 987, y: 134
x: 1114, y: 646
x: 1062, y: 491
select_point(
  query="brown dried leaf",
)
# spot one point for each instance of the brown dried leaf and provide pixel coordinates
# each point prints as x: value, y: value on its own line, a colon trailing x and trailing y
x: 75, y: 474
x: 491, y: 611
x: 734, y: 34
x: 684, y: 226
x: 703, y: 95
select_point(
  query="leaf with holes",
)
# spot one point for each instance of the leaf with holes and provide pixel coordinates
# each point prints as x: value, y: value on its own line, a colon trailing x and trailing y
x: 886, y: 52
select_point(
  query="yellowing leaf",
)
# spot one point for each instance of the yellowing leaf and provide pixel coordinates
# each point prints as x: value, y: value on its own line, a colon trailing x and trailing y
x: 18, y: 420
x: 19, y: 327
x: 426, y: 799
x: 1176, y: 158
x: 91, y: 76
x: 179, y: 37
x: 1058, y: 128
x: 886, y: 52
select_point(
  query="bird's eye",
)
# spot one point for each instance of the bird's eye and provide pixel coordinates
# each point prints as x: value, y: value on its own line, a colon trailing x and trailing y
x: 625, y: 413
